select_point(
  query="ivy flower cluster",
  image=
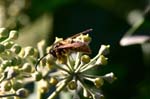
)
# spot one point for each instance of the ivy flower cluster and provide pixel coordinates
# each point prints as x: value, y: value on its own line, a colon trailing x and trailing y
x: 70, y: 72
x: 16, y: 66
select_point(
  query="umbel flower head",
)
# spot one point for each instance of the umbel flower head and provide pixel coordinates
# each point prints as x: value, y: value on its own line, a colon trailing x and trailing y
x: 69, y: 71
x: 65, y: 67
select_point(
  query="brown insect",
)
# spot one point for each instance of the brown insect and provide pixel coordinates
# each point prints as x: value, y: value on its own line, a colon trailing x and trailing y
x: 60, y: 48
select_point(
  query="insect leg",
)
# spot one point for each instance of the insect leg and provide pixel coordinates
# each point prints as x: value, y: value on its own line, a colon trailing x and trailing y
x: 40, y: 60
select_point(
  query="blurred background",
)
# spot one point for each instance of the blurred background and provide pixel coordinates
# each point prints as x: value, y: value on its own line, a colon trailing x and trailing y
x: 111, y: 21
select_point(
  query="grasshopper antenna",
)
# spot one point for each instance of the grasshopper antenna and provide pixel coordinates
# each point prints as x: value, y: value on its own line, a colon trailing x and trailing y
x: 40, y: 60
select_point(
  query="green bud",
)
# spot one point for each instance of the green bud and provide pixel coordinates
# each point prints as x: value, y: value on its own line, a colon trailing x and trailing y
x: 22, y: 93
x: 37, y: 76
x: 19, y: 60
x: 2, y: 48
x: 3, y: 66
x: 13, y: 35
x: 27, y: 67
x: 53, y: 81
x: 98, y: 82
x: 16, y: 48
x: 22, y: 53
x: 4, y: 32
x: 102, y: 60
x: 16, y: 61
x: 8, y: 45
x: 13, y: 61
x: 6, y: 63
x: 49, y: 61
x: 85, y: 58
x: 29, y: 51
x: 5, y: 85
x: 87, y: 38
x: 44, y: 86
x: 104, y: 49
x: 17, y: 84
x: 72, y: 85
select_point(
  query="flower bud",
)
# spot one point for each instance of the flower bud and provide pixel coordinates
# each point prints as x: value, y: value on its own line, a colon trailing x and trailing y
x: 13, y: 61
x: 4, y: 32
x: 13, y: 35
x: 44, y: 86
x: 53, y: 81
x: 17, y: 84
x: 49, y: 61
x: 37, y: 76
x: 19, y: 60
x: 85, y: 58
x: 8, y: 45
x: 72, y: 85
x: 22, y: 93
x: 98, y: 82
x: 104, y: 49
x: 16, y: 48
x: 22, y: 53
x: 102, y: 60
x: 5, y: 86
x: 110, y: 77
x: 2, y: 48
x: 29, y: 51
x: 27, y: 67
x: 86, y: 38
x: 5, y: 63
